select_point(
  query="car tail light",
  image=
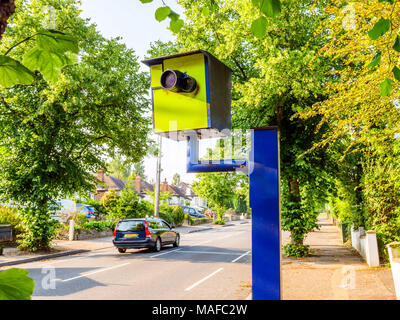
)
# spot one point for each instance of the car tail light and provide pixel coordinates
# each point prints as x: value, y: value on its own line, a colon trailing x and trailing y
x: 115, y: 230
x: 147, y: 228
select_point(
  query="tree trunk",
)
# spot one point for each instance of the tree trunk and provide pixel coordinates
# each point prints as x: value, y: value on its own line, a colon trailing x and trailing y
x: 7, y: 9
x: 297, y: 237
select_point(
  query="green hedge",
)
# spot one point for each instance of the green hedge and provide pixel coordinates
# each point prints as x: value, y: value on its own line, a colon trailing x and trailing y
x: 98, y: 225
x: 174, y: 215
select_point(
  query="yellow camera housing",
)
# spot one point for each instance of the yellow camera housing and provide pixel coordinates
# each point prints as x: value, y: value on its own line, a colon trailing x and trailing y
x: 181, y: 104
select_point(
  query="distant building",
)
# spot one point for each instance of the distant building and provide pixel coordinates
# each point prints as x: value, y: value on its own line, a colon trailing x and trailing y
x: 109, y: 182
x: 195, y: 201
x: 181, y: 195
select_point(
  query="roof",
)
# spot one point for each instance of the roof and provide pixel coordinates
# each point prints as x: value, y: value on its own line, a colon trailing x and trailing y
x: 159, y: 60
x: 112, y: 182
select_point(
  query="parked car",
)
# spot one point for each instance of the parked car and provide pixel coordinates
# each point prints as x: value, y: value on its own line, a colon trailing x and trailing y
x: 193, y: 212
x: 153, y: 233
x: 89, y: 211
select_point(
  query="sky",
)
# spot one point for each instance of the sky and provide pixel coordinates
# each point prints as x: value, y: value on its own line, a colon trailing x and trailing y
x: 136, y: 24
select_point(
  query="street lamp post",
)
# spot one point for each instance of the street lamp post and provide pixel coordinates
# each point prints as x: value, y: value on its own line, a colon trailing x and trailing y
x: 158, y: 178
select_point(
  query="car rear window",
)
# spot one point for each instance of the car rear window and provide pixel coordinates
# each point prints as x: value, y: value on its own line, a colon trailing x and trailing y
x: 131, y: 226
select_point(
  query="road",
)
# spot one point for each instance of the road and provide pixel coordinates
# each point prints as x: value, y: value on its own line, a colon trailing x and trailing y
x: 212, y: 264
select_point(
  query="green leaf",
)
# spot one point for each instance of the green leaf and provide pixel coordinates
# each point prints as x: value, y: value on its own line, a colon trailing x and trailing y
x: 271, y: 8
x: 396, y: 73
x: 388, y: 1
x: 12, y: 72
x: 386, y: 87
x: 379, y: 29
x: 173, y: 15
x: 162, y: 13
x: 258, y: 27
x: 47, y: 62
x: 146, y: 1
x: 396, y: 44
x: 206, y: 11
x: 176, y: 25
x: 375, y: 61
x: 16, y: 285
x: 56, y: 41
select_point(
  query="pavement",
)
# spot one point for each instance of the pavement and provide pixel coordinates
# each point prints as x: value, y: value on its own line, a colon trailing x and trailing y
x: 212, y: 264
x: 334, y: 272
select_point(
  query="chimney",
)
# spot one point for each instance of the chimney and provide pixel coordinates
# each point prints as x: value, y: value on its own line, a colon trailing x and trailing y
x: 138, y: 183
x: 100, y: 175
x: 164, y: 186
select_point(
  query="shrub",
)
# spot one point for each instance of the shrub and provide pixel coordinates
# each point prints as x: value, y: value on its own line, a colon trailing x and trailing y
x: 174, y: 215
x: 219, y: 221
x: 9, y: 216
x: 99, y: 225
x: 128, y: 205
x: 297, y: 250
x: 79, y: 218
x: 189, y: 218
x: 210, y: 213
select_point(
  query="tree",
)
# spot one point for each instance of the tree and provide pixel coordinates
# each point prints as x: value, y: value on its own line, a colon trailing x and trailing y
x: 362, y: 108
x: 218, y: 188
x: 275, y: 76
x: 7, y: 9
x: 176, y: 179
x: 129, y: 205
x: 53, y: 137
x: 138, y: 168
x: 119, y: 169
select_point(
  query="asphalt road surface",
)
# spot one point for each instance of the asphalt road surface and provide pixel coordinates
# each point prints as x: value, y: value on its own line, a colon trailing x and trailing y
x: 212, y: 264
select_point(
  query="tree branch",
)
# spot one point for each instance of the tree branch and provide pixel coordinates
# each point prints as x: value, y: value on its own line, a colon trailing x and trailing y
x: 89, y: 143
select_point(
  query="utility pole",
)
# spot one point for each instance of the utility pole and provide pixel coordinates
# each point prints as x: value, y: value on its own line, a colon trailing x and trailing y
x: 158, y: 178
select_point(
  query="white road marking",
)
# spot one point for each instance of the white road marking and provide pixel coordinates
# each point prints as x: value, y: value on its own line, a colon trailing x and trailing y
x: 204, y: 279
x: 238, y: 258
x: 221, y: 238
x: 161, y: 254
x: 90, y: 273
x: 213, y: 252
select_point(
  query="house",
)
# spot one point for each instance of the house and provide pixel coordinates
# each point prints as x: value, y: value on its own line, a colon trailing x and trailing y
x: 109, y: 182
x: 142, y: 187
x: 181, y: 194
x: 177, y: 196
x: 195, y: 201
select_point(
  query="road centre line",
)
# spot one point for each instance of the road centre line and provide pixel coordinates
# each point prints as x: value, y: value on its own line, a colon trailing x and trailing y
x: 238, y: 258
x: 98, y: 271
x: 204, y: 279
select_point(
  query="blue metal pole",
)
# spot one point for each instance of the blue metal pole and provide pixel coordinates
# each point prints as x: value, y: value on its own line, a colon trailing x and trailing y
x: 196, y: 165
x: 265, y: 205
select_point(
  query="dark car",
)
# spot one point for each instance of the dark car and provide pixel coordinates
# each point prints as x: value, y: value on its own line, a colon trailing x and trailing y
x: 193, y: 212
x: 153, y: 233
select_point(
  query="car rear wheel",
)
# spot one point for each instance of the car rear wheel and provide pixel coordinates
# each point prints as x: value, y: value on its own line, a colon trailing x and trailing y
x: 176, y: 243
x: 120, y: 250
x: 157, y: 246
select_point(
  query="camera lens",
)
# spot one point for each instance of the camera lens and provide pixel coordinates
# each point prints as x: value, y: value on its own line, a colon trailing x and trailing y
x: 176, y: 81
x: 188, y: 84
x: 168, y: 79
